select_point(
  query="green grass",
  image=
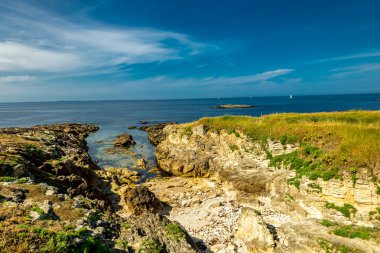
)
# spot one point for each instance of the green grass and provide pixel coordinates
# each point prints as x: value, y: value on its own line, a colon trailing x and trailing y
x: 330, y: 247
x: 22, y: 180
x: 123, y: 245
x: 327, y: 223
x: 374, y: 214
x: 307, y: 161
x: 315, y: 186
x: 12, y: 160
x: 61, y: 241
x: 346, y: 209
x: 43, y: 215
x: 150, y: 245
x: 8, y: 179
x: 126, y: 225
x: 354, y: 232
x: 233, y: 147
x: 174, y: 231
x: 344, y: 139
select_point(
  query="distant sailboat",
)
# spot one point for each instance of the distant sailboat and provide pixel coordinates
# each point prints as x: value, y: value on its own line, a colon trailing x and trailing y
x: 290, y: 96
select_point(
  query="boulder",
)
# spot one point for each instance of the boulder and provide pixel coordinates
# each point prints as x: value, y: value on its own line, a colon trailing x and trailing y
x: 141, y: 163
x: 124, y: 140
x: 140, y: 199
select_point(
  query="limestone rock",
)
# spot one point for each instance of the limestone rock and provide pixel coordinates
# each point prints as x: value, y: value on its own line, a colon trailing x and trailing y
x: 155, y: 132
x: 254, y: 232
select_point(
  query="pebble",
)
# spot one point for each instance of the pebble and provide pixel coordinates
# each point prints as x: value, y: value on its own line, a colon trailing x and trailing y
x: 50, y: 192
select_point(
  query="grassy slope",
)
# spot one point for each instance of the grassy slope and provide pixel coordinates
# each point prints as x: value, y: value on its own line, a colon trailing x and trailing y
x: 346, y: 139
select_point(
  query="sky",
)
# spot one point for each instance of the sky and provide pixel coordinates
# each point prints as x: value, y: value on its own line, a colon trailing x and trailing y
x: 170, y: 49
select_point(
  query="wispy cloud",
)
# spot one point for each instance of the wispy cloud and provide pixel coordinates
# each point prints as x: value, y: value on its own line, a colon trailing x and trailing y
x: 29, y: 43
x: 350, y: 57
x: 246, y: 79
x: 356, y: 69
x: 14, y: 79
x: 167, y: 81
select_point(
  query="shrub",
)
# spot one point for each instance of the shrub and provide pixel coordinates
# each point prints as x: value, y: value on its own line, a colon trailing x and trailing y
x: 174, y: 231
x: 346, y: 209
x: 353, y: 232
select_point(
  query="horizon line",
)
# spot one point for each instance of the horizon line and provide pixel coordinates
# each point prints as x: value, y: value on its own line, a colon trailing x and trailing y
x: 173, y: 99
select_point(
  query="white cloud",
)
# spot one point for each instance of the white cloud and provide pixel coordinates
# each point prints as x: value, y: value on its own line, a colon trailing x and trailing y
x: 356, y: 69
x: 29, y: 43
x: 19, y: 57
x: 13, y: 79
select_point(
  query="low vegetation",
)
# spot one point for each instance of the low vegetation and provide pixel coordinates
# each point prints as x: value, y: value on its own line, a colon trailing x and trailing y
x: 351, y: 231
x: 332, y: 144
x: 354, y: 232
x: 330, y: 247
x: 346, y: 209
x: 174, y: 231
x: 328, y: 223
x: 48, y: 239
x: 150, y: 245
x: 374, y: 215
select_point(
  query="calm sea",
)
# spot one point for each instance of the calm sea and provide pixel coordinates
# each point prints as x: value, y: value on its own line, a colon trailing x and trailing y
x: 113, y: 117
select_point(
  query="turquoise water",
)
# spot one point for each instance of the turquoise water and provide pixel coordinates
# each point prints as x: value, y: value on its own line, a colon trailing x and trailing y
x: 113, y: 117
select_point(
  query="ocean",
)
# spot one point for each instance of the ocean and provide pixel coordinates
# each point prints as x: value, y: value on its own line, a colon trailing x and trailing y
x: 114, y: 117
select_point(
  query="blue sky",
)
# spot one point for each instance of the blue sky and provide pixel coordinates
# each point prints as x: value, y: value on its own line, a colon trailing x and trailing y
x: 150, y: 49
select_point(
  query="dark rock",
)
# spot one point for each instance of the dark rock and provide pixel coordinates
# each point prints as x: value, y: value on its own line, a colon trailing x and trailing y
x: 155, y: 132
x: 132, y: 127
x: 19, y: 195
x: 124, y: 140
x: 142, y: 122
x: 140, y: 199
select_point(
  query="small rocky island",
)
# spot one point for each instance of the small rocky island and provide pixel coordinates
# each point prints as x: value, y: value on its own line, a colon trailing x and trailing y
x: 234, y: 106
x: 277, y: 183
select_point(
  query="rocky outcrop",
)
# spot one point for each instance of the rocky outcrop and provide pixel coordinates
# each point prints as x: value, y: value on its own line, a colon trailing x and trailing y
x: 55, y: 153
x: 155, y: 132
x: 287, y: 219
x: 148, y: 221
x: 232, y: 106
x: 55, y: 199
x: 124, y: 140
x: 204, y: 209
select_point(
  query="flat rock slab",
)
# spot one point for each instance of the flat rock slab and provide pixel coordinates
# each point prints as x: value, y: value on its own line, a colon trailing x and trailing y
x: 231, y: 106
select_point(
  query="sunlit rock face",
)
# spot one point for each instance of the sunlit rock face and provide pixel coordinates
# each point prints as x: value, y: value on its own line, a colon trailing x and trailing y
x: 295, y: 214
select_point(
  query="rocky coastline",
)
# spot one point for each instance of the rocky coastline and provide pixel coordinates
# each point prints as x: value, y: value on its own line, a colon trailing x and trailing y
x: 223, y: 193
x: 54, y: 198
